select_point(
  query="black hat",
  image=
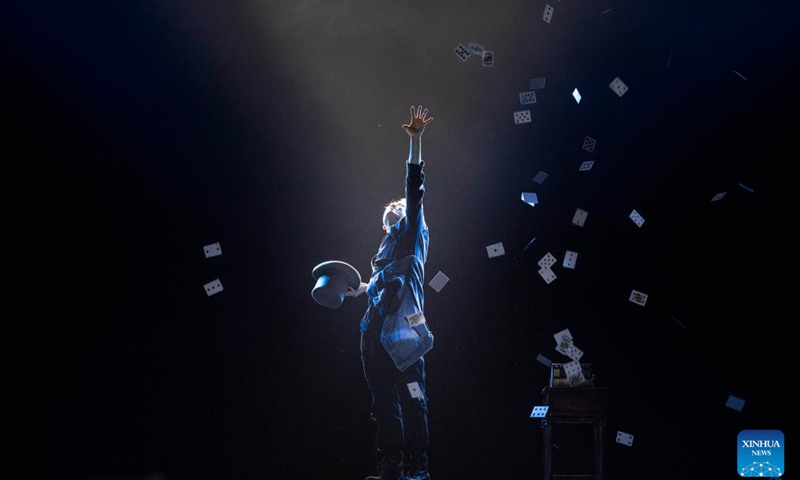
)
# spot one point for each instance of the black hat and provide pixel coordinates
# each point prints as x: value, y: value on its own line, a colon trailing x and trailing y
x: 333, y: 280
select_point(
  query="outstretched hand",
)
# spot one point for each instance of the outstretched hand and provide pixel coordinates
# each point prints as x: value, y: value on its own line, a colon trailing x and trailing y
x: 351, y: 292
x: 418, y: 121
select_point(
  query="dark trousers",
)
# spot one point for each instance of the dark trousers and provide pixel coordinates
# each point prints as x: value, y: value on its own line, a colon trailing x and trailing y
x: 402, y: 421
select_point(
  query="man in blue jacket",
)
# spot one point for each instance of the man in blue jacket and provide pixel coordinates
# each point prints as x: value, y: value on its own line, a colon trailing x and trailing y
x: 394, y: 333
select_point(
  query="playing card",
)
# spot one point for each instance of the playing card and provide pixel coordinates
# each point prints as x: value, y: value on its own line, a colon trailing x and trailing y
x: 580, y: 217
x: 462, y: 52
x: 735, y: 403
x: 587, y: 165
x: 637, y: 218
x: 544, y: 360
x: 563, y: 336
x: 547, y: 261
x: 415, y: 319
x: 495, y: 250
x: 488, y: 59
x: 576, y: 95
x: 718, y: 196
x: 213, y: 287
x: 439, y: 281
x: 618, y: 86
x: 572, y: 368
x: 476, y: 48
x: 746, y: 188
x: 625, y: 438
x: 539, y: 412
x: 212, y: 250
x: 414, y: 390
x: 530, y: 198
x: 527, y: 98
x: 570, y: 259
x: 548, y: 13
x: 577, y: 379
x: 638, y: 298
x: 574, y: 352
x: 547, y: 274
x: 540, y: 177
x: 589, y: 144
x: 563, y: 346
x: 522, y: 116
x: 536, y: 83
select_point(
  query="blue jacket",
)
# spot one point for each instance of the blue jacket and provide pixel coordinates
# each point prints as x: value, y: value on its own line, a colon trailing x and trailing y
x: 396, y: 289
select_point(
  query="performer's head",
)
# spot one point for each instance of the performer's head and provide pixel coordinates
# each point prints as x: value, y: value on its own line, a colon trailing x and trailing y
x: 394, y: 211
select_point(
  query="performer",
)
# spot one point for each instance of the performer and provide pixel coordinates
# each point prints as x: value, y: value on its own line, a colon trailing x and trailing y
x: 394, y: 333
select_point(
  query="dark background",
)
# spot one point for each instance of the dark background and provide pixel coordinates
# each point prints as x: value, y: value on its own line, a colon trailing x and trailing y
x: 138, y: 132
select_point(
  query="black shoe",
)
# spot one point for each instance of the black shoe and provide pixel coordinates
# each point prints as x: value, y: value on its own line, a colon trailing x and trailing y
x: 418, y: 466
x: 390, y: 466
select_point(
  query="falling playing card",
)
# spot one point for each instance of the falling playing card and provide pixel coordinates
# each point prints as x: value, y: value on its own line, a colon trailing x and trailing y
x: 537, y: 83
x: 522, y: 116
x: 563, y: 346
x: 547, y: 261
x: 547, y: 274
x: 577, y: 379
x: 718, y: 196
x: 580, y: 217
x: 527, y: 98
x: 529, y: 243
x: 530, y: 198
x: 438, y: 282
x: 570, y: 259
x: 589, y: 144
x: 414, y: 390
x: 587, y: 165
x: 637, y: 218
x: 544, y: 360
x: 213, y: 287
x: 638, y: 298
x: 462, y: 52
x: 563, y: 336
x: 212, y: 250
x: 539, y: 412
x: 573, y: 368
x: 548, y: 13
x: 488, y: 59
x: 625, y: 438
x: 495, y: 250
x: 415, y: 319
x: 574, y: 352
x: 618, y: 86
x: 735, y: 403
x: 576, y: 95
x: 476, y: 48
x: 540, y: 177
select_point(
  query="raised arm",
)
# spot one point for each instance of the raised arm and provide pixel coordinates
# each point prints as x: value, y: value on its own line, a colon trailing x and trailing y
x: 415, y: 178
x: 414, y: 129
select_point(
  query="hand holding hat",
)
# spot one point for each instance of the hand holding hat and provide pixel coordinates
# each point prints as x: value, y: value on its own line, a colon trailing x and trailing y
x: 335, y: 280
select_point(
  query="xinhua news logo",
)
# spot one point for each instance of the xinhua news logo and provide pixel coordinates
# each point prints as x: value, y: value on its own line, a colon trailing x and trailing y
x: 760, y: 453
